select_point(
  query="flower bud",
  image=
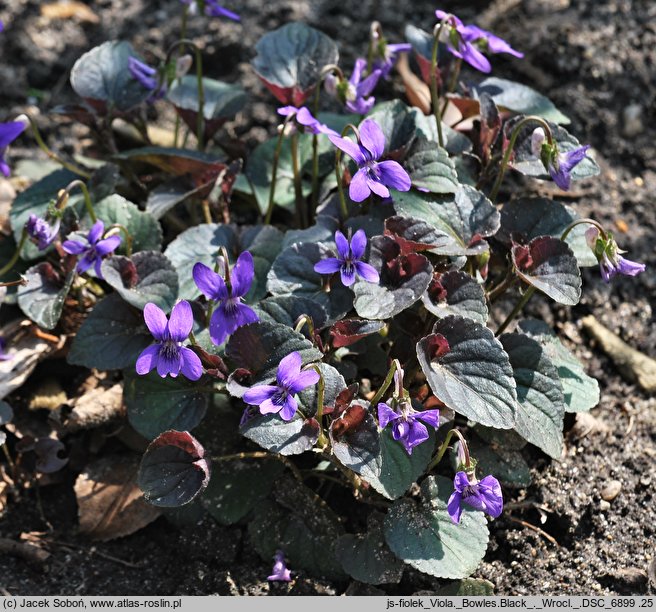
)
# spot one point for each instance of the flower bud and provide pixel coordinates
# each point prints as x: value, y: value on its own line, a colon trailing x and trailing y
x: 182, y: 65
x: 591, y: 237
x: 537, y: 140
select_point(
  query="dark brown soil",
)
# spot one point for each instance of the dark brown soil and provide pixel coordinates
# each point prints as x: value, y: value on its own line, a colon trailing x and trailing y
x: 595, y: 59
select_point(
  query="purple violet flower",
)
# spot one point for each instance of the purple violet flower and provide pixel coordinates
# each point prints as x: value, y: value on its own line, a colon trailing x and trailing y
x: 279, y: 398
x: 372, y: 175
x: 94, y: 250
x: 304, y: 118
x: 212, y: 9
x: 231, y: 312
x: 406, y: 423
x: 8, y: 133
x: 348, y: 263
x: 391, y: 53
x: 483, y: 495
x: 280, y: 571
x: 466, y: 42
x: 4, y: 356
x: 167, y: 354
x: 355, y: 93
x: 611, y: 263
x: 41, y: 232
x: 559, y: 165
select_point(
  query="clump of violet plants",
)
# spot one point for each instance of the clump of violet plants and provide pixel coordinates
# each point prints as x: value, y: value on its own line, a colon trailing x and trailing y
x: 339, y: 311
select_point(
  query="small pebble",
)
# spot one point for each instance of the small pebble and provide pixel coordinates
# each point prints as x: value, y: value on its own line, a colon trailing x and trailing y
x: 632, y: 116
x: 611, y: 490
x: 604, y: 505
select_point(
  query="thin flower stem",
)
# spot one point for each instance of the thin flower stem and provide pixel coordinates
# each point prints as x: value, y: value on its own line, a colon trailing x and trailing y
x: 453, y: 81
x: 516, y: 310
x: 572, y: 225
x: 511, y: 145
x: 207, y: 213
x: 322, y: 441
x: 386, y: 383
x: 338, y: 166
x: 274, y: 170
x: 502, y: 287
x: 435, y: 101
x: 126, y: 235
x: 51, y: 154
x: 445, y: 446
x: 302, y: 321
x: 63, y: 199
x: 16, y: 256
x: 21, y: 281
x: 298, y: 185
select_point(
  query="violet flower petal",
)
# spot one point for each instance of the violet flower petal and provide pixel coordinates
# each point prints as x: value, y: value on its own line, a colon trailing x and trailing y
x: 343, y: 248
x: 259, y: 393
x: 107, y: 245
x: 330, y: 265
x: 181, y: 321
x: 358, y: 244
x: 288, y: 369
x: 367, y: 271
x: 289, y: 408
x: 242, y: 275
x: 74, y: 247
x: 386, y: 415
x: 393, y: 175
x: 209, y: 283
x: 349, y: 147
x: 156, y: 321
x: 191, y: 365
x: 148, y: 359
x: 359, y: 189
x: 372, y: 138
x: 96, y: 232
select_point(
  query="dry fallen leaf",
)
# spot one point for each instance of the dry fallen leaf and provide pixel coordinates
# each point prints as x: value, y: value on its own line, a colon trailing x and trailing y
x: 69, y: 9
x: 416, y: 90
x: 95, y: 408
x: 110, y: 503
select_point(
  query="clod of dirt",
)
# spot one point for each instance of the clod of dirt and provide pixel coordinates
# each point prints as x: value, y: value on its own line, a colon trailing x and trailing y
x: 586, y: 424
x: 631, y: 363
x: 95, y: 408
x: 611, y: 490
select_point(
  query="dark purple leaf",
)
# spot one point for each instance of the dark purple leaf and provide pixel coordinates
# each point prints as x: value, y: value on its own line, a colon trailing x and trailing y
x: 348, y: 331
x: 456, y: 293
x: 47, y: 452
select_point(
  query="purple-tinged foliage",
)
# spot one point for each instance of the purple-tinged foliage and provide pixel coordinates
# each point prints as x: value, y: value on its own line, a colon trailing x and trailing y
x: 483, y: 495
x: 373, y: 176
x: 407, y: 426
x: 167, y: 354
x: 8, y: 133
x: 559, y: 165
x: 280, y: 572
x: 608, y: 254
x: 279, y: 398
x: 230, y: 313
x: 304, y: 118
x: 94, y: 250
x: 348, y: 262
x: 468, y: 42
x: 41, y: 232
x: 212, y: 9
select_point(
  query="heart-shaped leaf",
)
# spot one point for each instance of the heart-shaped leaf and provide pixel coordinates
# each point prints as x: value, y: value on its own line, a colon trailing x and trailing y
x: 580, y: 390
x: 286, y: 309
x: 173, y: 470
x: 548, y: 264
x: 398, y: 470
x: 415, y: 235
x: 424, y: 536
x: 222, y: 101
x: 348, y: 331
x: 541, y: 404
x: 147, y: 277
x: 42, y: 298
x: 155, y: 404
x: 430, y: 168
x: 283, y: 437
x: 102, y: 77
x: 322, y: 231
x: 366, y: 557
x: 507, y: 464
x: 144, y: 229
x: 398, y: 123
x: 200, y: 243
x: 519, y: 99
x: 526, y: 218
x: 473, y: 376
x: 264, y: 243
x: 237, y: 487
x: 403, y: 280
x: 467, y: 218
x: 289, y: 61
x: 293, y: 273
x: 111, y: 337
x: 456, y: 293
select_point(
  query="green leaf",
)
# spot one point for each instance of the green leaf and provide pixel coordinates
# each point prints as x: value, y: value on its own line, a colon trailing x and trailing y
x: 282, y: 437
x: 42, y: 299
x: 147, y: 277
x: 548, y: 264
x: 424, y: 536
x: 541, y: 404
x: 456, y: 293
x: 173, y: 470
x: 101, y: 76
x: 111, y: 337
x: 519, y: 98
x: 286, y: 309
x: 469, y: 587
x: 237, y: 487
x: 581, y: 391
x: 403, y: 280
x: 302, y: 525
x: 264, y: 243
x: 398, y: 469
x: 157, y: 404
x: 528, y: 218
x: 366, y: 557
x: 430, y: 168
x: 466, y: 218
x: 474, y: 376
x: 200, y: 243
x: 143, y: 227
x: 398, y: 123
x: 506, y: 464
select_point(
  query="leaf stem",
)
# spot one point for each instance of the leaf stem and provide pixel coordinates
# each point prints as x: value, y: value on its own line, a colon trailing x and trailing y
x: 445, y: 446
x: 338, y: 173
x: 435, y: 101
x: 386, y: 383
x: 322, y: 441
x: 62, y: 200
x: 588, y: 221
x: 516, y: 310
x: 126, y: 235
x: 301, y: 212
x: 274, y: 170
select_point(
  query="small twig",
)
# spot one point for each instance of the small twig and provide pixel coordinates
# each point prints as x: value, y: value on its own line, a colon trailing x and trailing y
x: 94, y: 551
x: 537, y: 530
x: 28, y: 552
